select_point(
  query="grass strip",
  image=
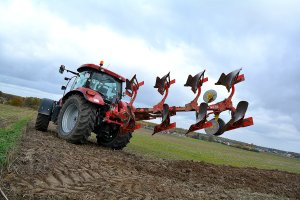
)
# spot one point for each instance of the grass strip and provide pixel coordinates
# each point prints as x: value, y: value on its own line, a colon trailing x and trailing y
x: 9, y: 137
x: 181, y: 148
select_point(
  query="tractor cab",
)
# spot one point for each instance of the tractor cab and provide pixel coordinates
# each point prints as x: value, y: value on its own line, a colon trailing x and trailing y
x: 96, y: 78
x: 109, y: 87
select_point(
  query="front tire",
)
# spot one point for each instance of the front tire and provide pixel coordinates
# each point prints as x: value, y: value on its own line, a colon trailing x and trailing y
x: 42, y: 122
x: 114, y: 140
x: 76, y: 119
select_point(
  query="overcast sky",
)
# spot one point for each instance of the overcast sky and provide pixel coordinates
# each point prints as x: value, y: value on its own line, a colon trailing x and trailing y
x: 151, y: 38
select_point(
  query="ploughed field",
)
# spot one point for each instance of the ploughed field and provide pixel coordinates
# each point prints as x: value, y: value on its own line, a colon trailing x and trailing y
x: 46, y: 167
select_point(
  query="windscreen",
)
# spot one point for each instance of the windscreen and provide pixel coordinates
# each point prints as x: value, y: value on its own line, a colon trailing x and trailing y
x: 80, y: 80
x: 109, y: 87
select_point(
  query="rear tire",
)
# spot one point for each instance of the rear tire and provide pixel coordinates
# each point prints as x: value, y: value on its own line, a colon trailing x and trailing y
x: 114, y: 141
x: 42, y: 122
x: 76, y: 119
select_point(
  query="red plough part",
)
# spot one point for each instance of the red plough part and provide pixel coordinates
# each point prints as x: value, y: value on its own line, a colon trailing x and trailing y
x: 163, y: 84
x: 237, y: 114
x: 214, y: 126
x: 195, y: 82
x: 200, y: 119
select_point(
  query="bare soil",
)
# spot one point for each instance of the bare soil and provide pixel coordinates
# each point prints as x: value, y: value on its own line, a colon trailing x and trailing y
x: 47, y: 167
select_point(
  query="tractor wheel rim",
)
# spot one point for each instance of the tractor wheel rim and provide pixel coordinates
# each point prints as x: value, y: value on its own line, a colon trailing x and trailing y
x: 69, y: 118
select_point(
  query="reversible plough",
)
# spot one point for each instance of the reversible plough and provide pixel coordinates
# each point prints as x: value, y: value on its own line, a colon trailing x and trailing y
x: 214, y: 126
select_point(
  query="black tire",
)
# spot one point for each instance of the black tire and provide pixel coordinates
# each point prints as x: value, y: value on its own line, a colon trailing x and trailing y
x: 82, y: 124
x: 221, y: 126
x: 116, y: 142
x: 42, y: 122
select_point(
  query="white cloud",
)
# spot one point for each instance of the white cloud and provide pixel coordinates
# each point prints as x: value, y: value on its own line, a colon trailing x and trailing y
x: 27, y: 92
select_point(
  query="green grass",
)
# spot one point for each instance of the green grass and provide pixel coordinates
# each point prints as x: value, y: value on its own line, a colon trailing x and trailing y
x: 12, y: 121
x: 181, y: 148
x: 10, y: 114
x: 8, y: 138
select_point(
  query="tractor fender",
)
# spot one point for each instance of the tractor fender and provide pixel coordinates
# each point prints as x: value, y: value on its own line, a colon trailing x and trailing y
x: 95, y: 99
x: 46, y: 106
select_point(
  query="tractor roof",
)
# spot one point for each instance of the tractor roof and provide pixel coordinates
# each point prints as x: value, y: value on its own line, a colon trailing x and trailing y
x: 98, y: 68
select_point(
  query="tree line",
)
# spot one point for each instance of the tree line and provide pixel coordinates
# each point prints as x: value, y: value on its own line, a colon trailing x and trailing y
x: 9, y: 99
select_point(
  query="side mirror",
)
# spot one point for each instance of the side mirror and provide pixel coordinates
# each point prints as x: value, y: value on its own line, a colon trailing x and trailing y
x: 63, y: 87
x: 66, y: 78
x: 62, y: 69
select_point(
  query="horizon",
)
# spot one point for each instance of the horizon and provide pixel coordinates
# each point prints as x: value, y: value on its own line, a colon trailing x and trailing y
x: 153, y: 121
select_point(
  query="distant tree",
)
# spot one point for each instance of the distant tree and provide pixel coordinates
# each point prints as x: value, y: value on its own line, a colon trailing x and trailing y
x: 36, y: 103
x: 31, y: 102
x: 211, y: 138
x: 16, y: 101
x: 28, y: 102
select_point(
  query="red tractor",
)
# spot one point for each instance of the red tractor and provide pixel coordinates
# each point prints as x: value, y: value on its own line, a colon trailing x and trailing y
x: 94, y: 104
